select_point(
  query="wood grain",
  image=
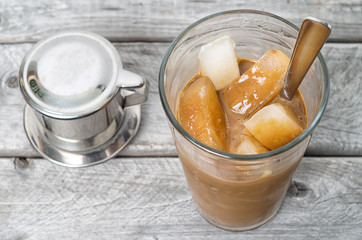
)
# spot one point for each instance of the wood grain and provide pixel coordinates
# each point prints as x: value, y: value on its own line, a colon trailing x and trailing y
x: 159, y: 20
x: 147, y: 198
x: 143, y: 194
x: 340, y: 125
x: 339, y: 132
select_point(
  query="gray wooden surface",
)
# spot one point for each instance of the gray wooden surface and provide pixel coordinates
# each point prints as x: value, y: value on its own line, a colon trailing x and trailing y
x: 142, y: 194
x: 147, y: 198
x: 159, y: 20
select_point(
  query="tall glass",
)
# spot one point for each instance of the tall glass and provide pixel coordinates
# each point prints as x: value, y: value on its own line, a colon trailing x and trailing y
x: 238, y: 192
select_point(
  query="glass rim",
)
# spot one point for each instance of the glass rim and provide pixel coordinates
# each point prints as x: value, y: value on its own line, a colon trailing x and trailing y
x: 226, y: 155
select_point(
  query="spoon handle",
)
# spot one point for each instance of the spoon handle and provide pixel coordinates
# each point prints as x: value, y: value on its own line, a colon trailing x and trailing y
x: 312, y: 35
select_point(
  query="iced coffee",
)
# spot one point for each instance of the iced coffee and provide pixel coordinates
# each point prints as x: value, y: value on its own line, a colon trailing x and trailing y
x: 239, y: 143
x: 232, y: 104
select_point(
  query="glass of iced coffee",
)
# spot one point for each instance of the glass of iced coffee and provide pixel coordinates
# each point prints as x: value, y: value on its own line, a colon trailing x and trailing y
x: 237, y: 165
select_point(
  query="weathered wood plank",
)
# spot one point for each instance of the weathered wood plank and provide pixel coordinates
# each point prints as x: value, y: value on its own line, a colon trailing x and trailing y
x: 159, y: 20
x: 154, y: 137
x: 341, y: 124
x: 339, y: 132
x: 147, y: 198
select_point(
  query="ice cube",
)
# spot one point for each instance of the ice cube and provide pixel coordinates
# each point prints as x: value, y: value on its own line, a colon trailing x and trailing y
x: 249, y: 145
x: 199, y: 112
x: 274, y: 126
x: 218, y: 61
x: 258, y: 86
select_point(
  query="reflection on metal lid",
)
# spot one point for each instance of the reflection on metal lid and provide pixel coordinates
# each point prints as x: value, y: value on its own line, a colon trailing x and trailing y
x: 70, y: 74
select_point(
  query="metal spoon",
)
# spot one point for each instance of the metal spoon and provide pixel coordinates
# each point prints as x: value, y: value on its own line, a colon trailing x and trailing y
x: 312, y: 35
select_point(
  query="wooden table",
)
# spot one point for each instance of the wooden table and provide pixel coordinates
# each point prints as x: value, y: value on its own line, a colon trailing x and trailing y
x: 142, y: 194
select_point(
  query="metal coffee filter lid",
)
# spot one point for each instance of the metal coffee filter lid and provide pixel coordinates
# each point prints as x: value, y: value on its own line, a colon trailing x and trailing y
x: 70, y: 75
